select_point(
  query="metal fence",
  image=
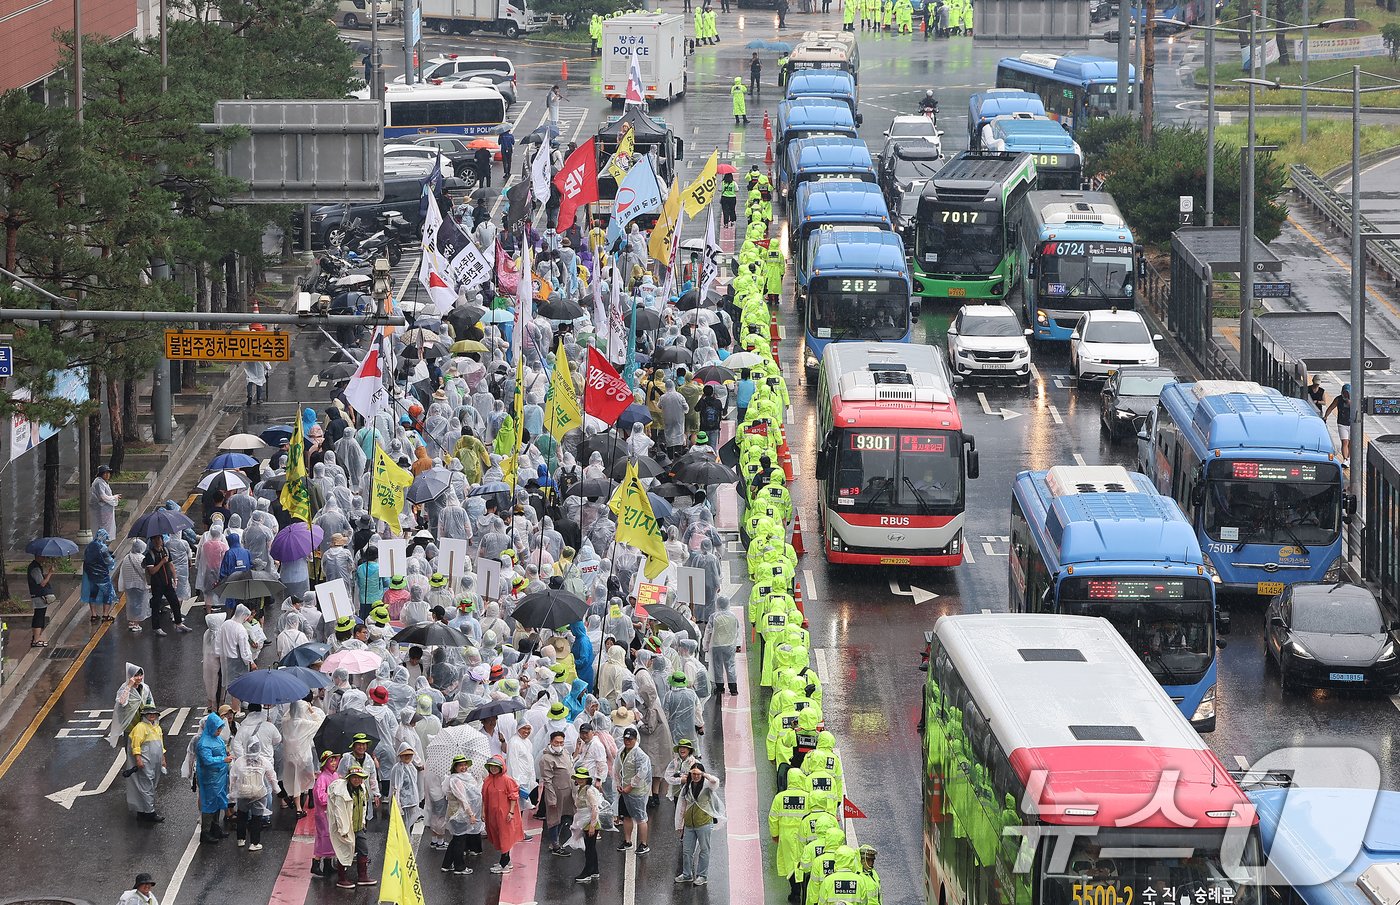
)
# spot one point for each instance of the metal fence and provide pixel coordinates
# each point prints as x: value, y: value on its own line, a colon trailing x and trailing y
x: 1333, y: 207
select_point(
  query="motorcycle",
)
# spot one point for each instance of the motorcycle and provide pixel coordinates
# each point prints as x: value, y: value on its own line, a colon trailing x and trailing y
x: 386, y: 240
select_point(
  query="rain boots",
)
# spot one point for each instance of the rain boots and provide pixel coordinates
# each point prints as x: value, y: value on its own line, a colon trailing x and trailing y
x: 362, y: 864
x: 318, y: 868
x: 342, y: 874
x: 208, y: 829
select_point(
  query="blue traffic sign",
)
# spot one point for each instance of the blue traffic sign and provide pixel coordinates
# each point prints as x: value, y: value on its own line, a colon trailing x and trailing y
x: 7, y: 361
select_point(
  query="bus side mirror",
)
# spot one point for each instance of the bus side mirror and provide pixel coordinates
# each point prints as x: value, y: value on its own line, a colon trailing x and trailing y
x: 974, y: 462
x: 823, y: 461
x: 1349, y: 504
x: 1030, y: 269
x: 1142, y: 434
x: 1198, y: 493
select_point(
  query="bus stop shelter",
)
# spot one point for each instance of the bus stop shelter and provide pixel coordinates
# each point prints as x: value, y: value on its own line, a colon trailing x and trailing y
x: 1287, y: 346
x: 1201, y: 256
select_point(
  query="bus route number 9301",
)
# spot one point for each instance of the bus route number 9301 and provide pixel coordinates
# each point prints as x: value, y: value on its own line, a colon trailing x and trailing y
x: 1101, y: 894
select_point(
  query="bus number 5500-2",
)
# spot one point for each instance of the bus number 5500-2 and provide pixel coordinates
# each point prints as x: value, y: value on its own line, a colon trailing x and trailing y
x: 1101, y: 894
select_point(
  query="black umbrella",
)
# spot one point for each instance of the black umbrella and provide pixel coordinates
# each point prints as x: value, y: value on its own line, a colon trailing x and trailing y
x: 559, y: 309
x: 672, y: 619
x: 647, y: 319
x: 704, y: 472
x: 277, y: 434
x: 549, y: 609
x: 692, y: 299
x: 608, y: 445
x: 636, y: 413
x: 463, y: 318
x: 647, y: 467
x: 342, y: 371
x: 306, y: 654
x: 250, y: 584
x: 674, y: 355
x: 495, y: 708
x: 338, y: 731
x: 590, y: 488
x: 429, y: 485
x: 714, y: 374
x: 432, y: 634
x: 670, y: 491
x: 729, y: 454
x: 162, y: 521
x: 432, y: 350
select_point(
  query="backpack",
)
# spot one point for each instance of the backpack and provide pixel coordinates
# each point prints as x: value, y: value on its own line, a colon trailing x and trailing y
x: 702, y: 683
x: 710, y: 414
x: 250, y: 782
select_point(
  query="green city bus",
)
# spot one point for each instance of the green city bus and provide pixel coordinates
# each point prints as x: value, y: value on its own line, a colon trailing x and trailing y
x: 964, y: 229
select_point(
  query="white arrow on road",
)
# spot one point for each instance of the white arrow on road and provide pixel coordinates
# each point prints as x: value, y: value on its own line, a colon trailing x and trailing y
x: 1006, y: 414
x: 919, y: 594
x: 64, y: 798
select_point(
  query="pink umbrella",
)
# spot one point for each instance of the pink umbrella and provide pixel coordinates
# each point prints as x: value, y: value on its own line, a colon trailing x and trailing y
x: 355, y: 662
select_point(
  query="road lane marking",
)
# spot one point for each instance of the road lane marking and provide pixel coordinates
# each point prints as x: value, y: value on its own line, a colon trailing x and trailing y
x: 796, y: 466
x: 809, y: 585
x: 746, y: 867
x: 1243, y: 762
x: 967, y: 552
x: 182, y: 867
x: 1079, y: 459
x: 819, y: 665
x: 64, y: 798
x: 1055, y: 415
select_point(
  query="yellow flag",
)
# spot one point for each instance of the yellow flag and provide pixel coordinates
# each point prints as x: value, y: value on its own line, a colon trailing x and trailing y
x: 561, y: 411
x: 659, y: 246
x: 390, y: 481
x: 700, y: 192
x: 621, y: 162
x: 399, y: 883
x: 296, y: 496
x: 636, y: 523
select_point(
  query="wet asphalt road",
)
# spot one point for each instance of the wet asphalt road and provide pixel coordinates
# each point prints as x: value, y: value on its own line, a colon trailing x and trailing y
x: 866, y: 637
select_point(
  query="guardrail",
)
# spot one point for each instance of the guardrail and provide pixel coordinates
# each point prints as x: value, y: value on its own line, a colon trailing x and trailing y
x: 1336, y: 210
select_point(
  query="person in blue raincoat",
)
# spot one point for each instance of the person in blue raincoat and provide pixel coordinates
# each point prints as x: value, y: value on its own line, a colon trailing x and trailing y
x: 575, y: 700
x: 211, y: 775
x: 583, y: 652
x: 236, y: 559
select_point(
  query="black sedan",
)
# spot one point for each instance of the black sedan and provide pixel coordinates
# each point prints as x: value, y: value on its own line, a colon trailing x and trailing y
x: 1128, y: 397
x: 1331, y: 636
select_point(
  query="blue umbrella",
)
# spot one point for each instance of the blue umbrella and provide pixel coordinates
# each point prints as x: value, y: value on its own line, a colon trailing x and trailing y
x: 51, y: 547
x: 306, y: 654
x: 489, y: 488
x: 277, y: 434
x: 636, y: 413
x: 268, y: 687
x: 231, y: 460
x: 311, y: 677
x: 498, y: 316
x: 162, y: 521
x: 659, y: 506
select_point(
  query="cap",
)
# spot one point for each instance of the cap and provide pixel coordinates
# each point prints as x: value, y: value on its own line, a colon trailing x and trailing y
x: 868, y: 849
x: 438, y: 580
x: 358, y: 771
x: 225, y: 709
x: 359, y: 739
x: 143, y: 880
x: 557, y: 711
x: 104, y: 469
x: 461, y: 759
x: 678, y: 680
x: 684, y: 743
x: 629, y: 732
x: 379, y: 694
x: 327, y: 755
x: 379, y: 615
x: 621, y: 716
x: 583, y: 774
x: 148, y: 710
x: 702, y: 438
x: 496, y: 761
x: 497, y: 671
x: 338, y: 540
x: 345, y: 624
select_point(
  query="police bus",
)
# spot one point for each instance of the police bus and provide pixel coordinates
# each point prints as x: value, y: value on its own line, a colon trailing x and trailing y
x: 894, y: 459
x: 1257, y: 475
x: 1075, y: 253
x: 463, y: 108
x: 962, y: 241
x: 1056, y: 772
x: 1098, y: 540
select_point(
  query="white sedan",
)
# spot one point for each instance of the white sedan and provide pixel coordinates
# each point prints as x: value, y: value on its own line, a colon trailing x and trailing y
x: 1104, y: 341
x: 423, y: 153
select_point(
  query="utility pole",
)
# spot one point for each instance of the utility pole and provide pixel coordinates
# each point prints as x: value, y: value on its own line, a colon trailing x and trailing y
x: 1124, y: 83
x: 1149, y: 61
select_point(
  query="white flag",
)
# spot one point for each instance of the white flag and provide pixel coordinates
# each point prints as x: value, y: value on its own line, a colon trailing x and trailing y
x: 635, y: 95
x: 365, y: 391
x: 540, y: 175
x: 525, y: 295
x: 469, y: 269
x: 709, y: 267
x: 435, y: 273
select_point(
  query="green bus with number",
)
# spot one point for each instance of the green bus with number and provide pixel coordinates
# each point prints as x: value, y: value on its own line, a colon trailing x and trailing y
x: 964, y: 228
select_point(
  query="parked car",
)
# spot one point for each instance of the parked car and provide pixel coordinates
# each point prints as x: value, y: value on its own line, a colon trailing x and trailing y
x: 416, y: 152
x: 988, y: 341
x: 1331, y: 635
x: 1128, y: 397
x: 1106, y: 340
x: 453, y: 63
x: 502, y: 81
x: 401, y: 193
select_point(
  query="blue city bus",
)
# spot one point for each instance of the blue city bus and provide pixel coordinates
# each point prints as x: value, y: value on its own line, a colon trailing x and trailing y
x: 1327, y: 846
x: 829, y: 204
x: 1075, y: 88
x: 1059, y: 163
x: 856, y: 288
x: 810, y: 117
x: 1074, y: 253
x: 1099, y: 540
x: 1257, y: 474
x: 985, y: 106
x: 818, y: 159
x: 835, y: 84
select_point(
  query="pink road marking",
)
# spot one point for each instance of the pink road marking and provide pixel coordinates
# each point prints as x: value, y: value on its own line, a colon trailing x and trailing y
x: 294, y: 879
x: 746, y: 870
x: 518, y: 886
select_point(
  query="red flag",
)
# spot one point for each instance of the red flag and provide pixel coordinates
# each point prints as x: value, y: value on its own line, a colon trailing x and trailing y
x: 849, y: 810
x: 435, y: 281
x: 605, y: 393
x: 577, y: 182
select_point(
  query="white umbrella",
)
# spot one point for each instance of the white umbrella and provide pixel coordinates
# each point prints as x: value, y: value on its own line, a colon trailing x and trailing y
x: 232, y: 480
x: 242, y: 443
x: 741, y: 360
x: 455, y: 740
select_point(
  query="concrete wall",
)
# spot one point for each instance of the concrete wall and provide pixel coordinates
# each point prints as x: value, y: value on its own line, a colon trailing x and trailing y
x: 1060, y: 23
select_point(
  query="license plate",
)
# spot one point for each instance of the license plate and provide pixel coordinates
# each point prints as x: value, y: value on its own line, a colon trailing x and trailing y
x: 894, y: 560
x: 957, y: 292
x: 996, y: 365
x: 1270, y: 588
x: 1345, y: 677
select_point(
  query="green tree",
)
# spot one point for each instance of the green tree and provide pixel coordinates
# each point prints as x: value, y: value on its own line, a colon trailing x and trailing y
x: 577, y: 12
x: 1390, y: 34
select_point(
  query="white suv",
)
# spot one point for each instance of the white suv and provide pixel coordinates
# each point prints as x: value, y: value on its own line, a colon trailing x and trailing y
x: 1104, y: 341
x: 419, y: 154
x: 988, y: 341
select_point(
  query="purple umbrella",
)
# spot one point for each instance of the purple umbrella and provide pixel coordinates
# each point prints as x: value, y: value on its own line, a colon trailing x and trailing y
x: 296, y: 541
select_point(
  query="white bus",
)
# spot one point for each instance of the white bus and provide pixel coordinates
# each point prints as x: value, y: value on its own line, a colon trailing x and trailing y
x: 462, y: 108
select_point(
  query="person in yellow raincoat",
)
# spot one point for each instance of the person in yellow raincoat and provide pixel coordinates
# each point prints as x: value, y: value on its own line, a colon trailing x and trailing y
x: 741, y: 107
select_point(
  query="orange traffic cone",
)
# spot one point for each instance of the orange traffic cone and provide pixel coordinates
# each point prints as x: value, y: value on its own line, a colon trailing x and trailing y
x: 564, y: 70
x: 767, y: 127
x: 797, y: 534
x: 768, y: 157
x: 797, y: 601
x: 256, y: 310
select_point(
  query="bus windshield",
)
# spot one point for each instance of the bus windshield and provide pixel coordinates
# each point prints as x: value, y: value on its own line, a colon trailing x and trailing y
x: 1103, y: 100
x: 957, y: 240
x: 1085, y: 273
x: 909, y: 472
x: 1169, y: 622
x: 874, y: 309
x: 1273, y: 502
x: 1171, y: 865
